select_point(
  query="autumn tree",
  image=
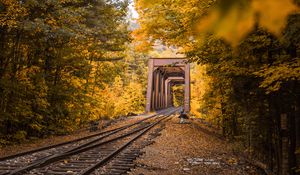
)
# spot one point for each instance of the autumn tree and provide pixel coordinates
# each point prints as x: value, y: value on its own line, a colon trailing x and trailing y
x: 57, y: 59
x: 251, y: 59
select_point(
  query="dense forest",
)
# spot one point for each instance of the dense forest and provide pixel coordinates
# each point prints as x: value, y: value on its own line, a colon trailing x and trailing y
x: 63, y: 64
x: 247, y: 82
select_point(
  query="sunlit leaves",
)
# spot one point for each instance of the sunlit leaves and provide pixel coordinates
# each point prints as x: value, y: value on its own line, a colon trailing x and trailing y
x: 11, y: 11
x: 273, y: 13
x: 273, y: 76
x: 147, y: 3
x: 51, y: 79
x: 234, y: 19
x: 231, y: 24
x: 199, y: 88
x: 231, y: 20
x: 173, y: 22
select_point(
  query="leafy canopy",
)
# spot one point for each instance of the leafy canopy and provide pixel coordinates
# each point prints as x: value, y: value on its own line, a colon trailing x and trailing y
x: 231, y: 20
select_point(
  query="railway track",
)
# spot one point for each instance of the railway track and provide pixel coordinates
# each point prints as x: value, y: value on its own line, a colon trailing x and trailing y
x: 86, y: 155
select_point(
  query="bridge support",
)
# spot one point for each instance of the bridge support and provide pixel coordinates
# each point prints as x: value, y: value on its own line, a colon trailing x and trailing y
x: 187, y: 88
x: 163, y: 73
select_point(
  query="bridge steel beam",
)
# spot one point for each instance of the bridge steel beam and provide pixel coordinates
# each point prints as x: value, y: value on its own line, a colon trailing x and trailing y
x: 167, y: 83
x: 152, y: 102
x: 162, y: 94
x: 187, y: 88
x: 157, y: 90
x: 150, y: 86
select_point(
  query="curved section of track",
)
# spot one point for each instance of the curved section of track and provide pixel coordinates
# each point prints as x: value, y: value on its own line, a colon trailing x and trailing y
x: 87, y: 153
x: 76, y: 140
x: 107, y: 158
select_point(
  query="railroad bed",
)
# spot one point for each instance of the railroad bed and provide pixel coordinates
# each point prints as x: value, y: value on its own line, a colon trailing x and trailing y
x: 107, y: 152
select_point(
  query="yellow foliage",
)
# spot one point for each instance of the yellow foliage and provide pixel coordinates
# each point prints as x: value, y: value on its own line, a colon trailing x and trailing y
x: 147, y: 3
x: 273, y: 13
x: 13, y: 12
x: 232, y: 26
x: 86, y: 53
x: 233, y: 23
x: 199, y: 87
x: 127, y: 98
x: 52, y: 22
x: 276, y: 74
x: 175, y: 22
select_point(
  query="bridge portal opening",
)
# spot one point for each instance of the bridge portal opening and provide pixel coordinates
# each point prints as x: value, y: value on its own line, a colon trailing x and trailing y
x: 178, y: 95
x: 165, y: 77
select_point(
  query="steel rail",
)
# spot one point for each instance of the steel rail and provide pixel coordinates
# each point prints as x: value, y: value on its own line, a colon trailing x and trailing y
x: 75, y: 140
x: 57, y: 157
x: 116, y: 152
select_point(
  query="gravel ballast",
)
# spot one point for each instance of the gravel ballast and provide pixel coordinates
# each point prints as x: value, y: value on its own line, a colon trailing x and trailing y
x: 184, y: 149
